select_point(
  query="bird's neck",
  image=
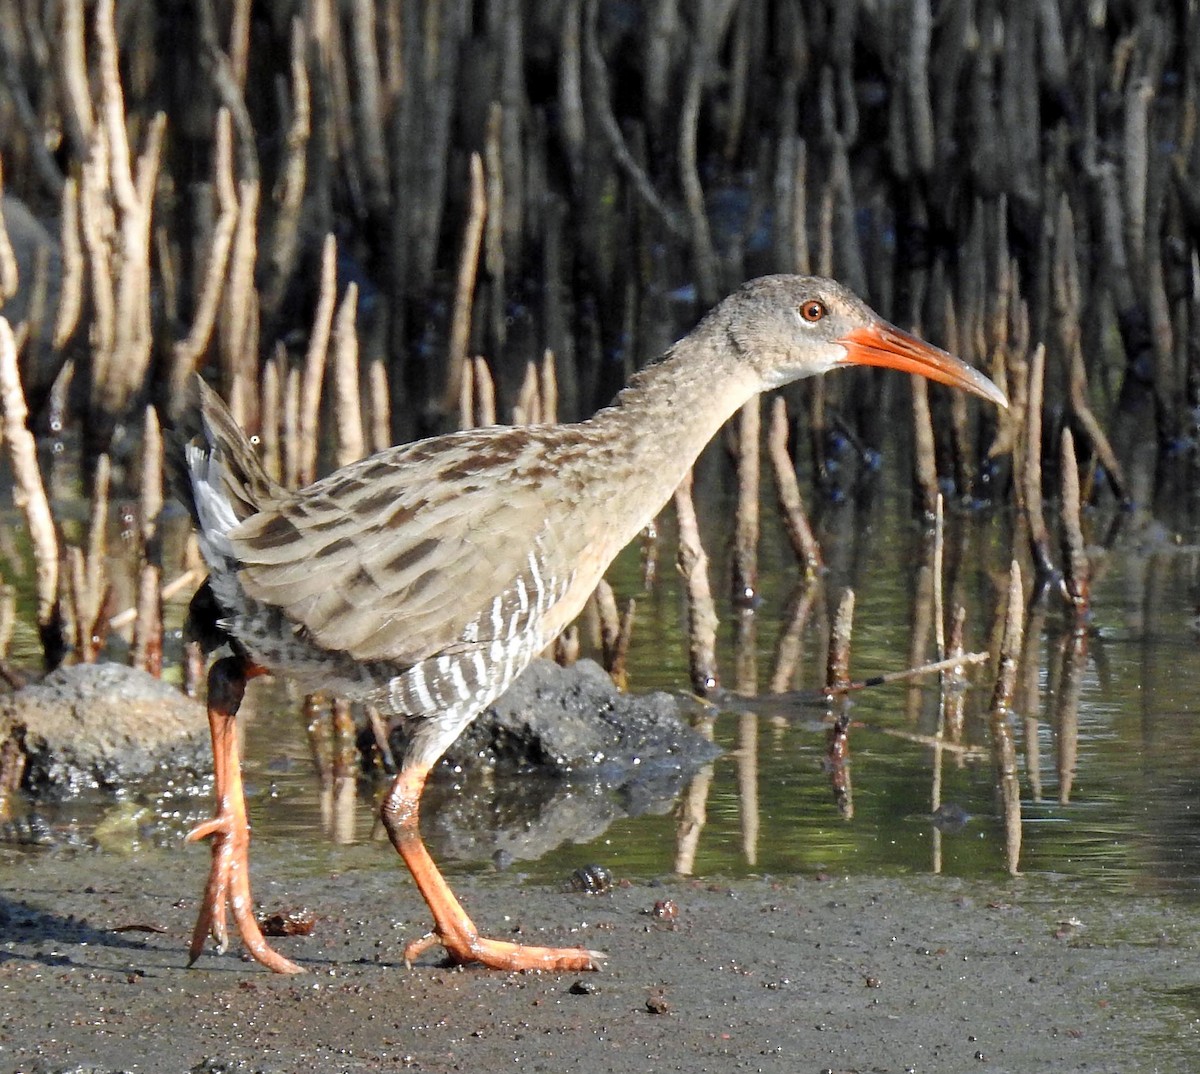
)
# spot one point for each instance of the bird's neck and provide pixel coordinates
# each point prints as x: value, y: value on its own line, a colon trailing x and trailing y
x: 657, y: 426
x: 679, y: 402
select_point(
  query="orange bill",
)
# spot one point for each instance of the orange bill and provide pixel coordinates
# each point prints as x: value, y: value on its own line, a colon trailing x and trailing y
x: 883, y: 344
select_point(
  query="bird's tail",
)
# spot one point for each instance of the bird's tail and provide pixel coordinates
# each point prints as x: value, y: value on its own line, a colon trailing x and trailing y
x: 215, y: 471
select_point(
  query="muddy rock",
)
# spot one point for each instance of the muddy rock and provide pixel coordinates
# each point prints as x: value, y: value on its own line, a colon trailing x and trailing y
x: 101, y: 727
x: 573, y: 722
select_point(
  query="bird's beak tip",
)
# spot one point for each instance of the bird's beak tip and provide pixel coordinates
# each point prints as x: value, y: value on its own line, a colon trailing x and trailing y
x: 883, y: 344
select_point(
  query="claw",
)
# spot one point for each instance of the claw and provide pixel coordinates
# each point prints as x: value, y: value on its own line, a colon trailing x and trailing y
x: 228, y: 888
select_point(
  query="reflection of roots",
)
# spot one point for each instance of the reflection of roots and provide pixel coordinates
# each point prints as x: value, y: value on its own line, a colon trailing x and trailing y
x: 1004, y: 753
x: 693, y: 816
x: 837, y: 755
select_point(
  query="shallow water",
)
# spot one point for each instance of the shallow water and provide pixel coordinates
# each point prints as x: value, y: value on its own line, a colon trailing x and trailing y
x: 1106, y: 734
x: 1110, y: 784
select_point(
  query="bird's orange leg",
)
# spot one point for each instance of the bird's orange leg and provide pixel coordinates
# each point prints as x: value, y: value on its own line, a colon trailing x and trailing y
x: 229, y: 874
x: 452, y: 928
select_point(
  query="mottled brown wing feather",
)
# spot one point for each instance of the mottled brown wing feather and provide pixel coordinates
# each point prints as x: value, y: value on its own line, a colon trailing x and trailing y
x: 393, y: 558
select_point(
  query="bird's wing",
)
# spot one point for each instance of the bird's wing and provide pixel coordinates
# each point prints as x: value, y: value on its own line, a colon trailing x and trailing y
x: 420, y: 550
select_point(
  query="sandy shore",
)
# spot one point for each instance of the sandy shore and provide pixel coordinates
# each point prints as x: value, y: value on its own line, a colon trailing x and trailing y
x: 803, y: 976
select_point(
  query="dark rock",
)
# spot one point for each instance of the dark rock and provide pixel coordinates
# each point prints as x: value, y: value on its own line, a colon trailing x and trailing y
x: 574, y: 722
x: 102, y: 726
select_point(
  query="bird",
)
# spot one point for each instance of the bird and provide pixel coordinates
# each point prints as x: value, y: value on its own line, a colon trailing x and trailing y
x: 424, y: 578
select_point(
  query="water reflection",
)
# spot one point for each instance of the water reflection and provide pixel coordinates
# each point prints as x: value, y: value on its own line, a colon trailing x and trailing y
x: 1104, y: 756
x: 1106, y: 746
x: 1073, y: 723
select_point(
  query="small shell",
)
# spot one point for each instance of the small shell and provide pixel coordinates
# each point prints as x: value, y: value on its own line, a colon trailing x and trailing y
x: 665, y: 910
x: 291, y: 923
x: 591, y: 879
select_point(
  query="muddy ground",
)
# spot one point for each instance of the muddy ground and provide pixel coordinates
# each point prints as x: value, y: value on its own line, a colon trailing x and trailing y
x: 807, y: 975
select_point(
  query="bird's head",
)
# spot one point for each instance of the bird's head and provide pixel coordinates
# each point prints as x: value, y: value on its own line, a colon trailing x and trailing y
x: 790, y: 327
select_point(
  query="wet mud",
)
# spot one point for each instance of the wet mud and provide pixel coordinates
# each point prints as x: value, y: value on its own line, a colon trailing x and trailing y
x: 814, y: 974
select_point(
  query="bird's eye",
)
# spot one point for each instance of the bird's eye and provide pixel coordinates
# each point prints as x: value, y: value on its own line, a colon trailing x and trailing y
x: 812, y: 310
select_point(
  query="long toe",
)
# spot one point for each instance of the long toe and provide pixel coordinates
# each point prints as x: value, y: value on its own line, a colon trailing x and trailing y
x: 210, y: 921
x: 511, y: 956
x: 501, y: 955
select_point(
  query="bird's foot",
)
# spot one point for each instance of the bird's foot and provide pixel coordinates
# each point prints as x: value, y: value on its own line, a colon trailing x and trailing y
x: 500, y: 955
x: 228, y: 887
x: 452, y: 928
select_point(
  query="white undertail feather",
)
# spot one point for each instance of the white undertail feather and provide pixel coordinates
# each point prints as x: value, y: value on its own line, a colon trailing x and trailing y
x: 213, y: 509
